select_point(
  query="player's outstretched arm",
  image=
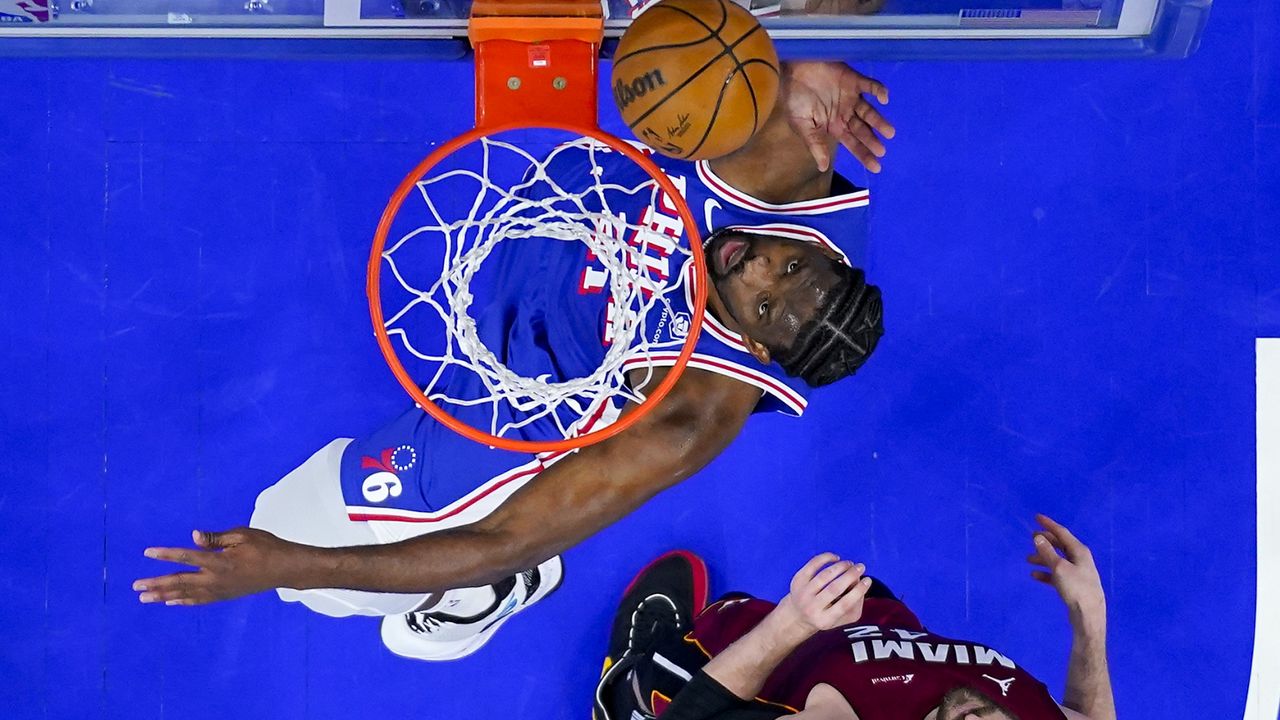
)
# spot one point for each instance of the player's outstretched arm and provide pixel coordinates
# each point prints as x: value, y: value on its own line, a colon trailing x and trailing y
x: 822, y: 106
x: 1067, y: 564
x: 567, y: 503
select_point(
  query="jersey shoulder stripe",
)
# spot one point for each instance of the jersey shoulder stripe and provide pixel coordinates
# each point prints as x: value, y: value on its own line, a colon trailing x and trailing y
x: 820, y: 206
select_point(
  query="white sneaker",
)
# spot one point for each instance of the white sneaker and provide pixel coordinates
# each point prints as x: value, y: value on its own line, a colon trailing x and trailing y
x: 437, y: 635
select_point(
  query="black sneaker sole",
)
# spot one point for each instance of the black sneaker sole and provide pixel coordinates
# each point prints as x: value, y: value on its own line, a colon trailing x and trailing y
x: 680, y: 576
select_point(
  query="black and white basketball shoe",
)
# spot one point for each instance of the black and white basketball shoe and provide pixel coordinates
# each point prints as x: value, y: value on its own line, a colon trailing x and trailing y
x: 657, y: 607
x: 459, y: 623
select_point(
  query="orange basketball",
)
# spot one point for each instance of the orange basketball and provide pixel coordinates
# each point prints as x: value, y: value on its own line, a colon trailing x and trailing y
x: 695, y: 79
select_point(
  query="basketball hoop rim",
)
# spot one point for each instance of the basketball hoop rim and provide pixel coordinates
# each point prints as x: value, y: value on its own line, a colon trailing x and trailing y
x: 374, y: 293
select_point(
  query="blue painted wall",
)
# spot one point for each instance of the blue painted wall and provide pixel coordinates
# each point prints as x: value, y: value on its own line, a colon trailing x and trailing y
x: 1076, y: 258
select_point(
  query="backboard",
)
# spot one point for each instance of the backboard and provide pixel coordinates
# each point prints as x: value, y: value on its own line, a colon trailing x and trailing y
x: 845, y: 29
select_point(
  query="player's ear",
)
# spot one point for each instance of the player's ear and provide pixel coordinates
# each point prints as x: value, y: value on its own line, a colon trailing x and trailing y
x: 758, y: 351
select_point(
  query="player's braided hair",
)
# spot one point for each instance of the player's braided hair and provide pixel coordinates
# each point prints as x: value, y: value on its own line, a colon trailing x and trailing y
x: 836, y: 342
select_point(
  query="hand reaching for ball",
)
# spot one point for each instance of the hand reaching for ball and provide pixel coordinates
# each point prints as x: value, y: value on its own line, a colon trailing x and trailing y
x: 826, y: 104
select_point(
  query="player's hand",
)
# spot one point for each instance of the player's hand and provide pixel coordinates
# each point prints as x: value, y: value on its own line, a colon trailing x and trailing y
x: 1067, y: 564
x: 826, y: 104
x: 826, y: 593
x: 231, y: 564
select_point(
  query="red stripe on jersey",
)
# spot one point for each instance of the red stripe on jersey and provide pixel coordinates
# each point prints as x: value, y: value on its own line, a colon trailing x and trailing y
x: 822, y: 205
x: 788, y: 396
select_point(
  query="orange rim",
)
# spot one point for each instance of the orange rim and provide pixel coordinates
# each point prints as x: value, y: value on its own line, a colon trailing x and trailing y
x: 373, y: 290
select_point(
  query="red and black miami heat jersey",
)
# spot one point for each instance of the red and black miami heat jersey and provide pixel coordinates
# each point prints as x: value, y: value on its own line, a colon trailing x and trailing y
x: 887, y: 665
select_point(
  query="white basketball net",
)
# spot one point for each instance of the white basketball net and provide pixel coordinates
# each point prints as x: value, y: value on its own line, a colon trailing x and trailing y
x: 500, y: 213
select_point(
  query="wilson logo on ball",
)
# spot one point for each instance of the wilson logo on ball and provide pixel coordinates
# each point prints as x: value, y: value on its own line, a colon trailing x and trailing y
x: 695, y: 79
x: 625, y: 93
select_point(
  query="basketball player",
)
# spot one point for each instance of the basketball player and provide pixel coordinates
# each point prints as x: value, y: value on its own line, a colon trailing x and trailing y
x: 446, y: 538
x: 839, y: 646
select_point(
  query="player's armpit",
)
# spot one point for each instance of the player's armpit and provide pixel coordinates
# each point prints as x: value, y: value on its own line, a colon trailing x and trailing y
x: 567, y: 503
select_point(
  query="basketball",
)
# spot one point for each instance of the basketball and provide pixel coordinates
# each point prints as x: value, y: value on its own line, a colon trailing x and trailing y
x: 694, y: 79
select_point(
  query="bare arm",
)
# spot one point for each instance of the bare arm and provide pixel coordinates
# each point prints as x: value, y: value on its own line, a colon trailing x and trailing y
x: 827, y: 592
x: 563, y: 505
x: 1075, y: 577
x: 1088, y: 678
x: 568, y: 502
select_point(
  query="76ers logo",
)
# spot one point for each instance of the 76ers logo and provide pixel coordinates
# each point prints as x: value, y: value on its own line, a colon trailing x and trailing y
x: 385, y: 483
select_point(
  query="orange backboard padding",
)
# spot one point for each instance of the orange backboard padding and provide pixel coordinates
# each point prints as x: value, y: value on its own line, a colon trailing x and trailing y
x: 536, y: 83
x: 536, y: 62
x: 535, y: 29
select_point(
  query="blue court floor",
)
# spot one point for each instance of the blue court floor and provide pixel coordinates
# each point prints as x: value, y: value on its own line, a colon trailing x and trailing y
x: 1076, y: 257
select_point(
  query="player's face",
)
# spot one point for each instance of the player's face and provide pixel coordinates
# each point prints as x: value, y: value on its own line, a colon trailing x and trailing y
x: 771, y: 286
x: 963, y: 703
